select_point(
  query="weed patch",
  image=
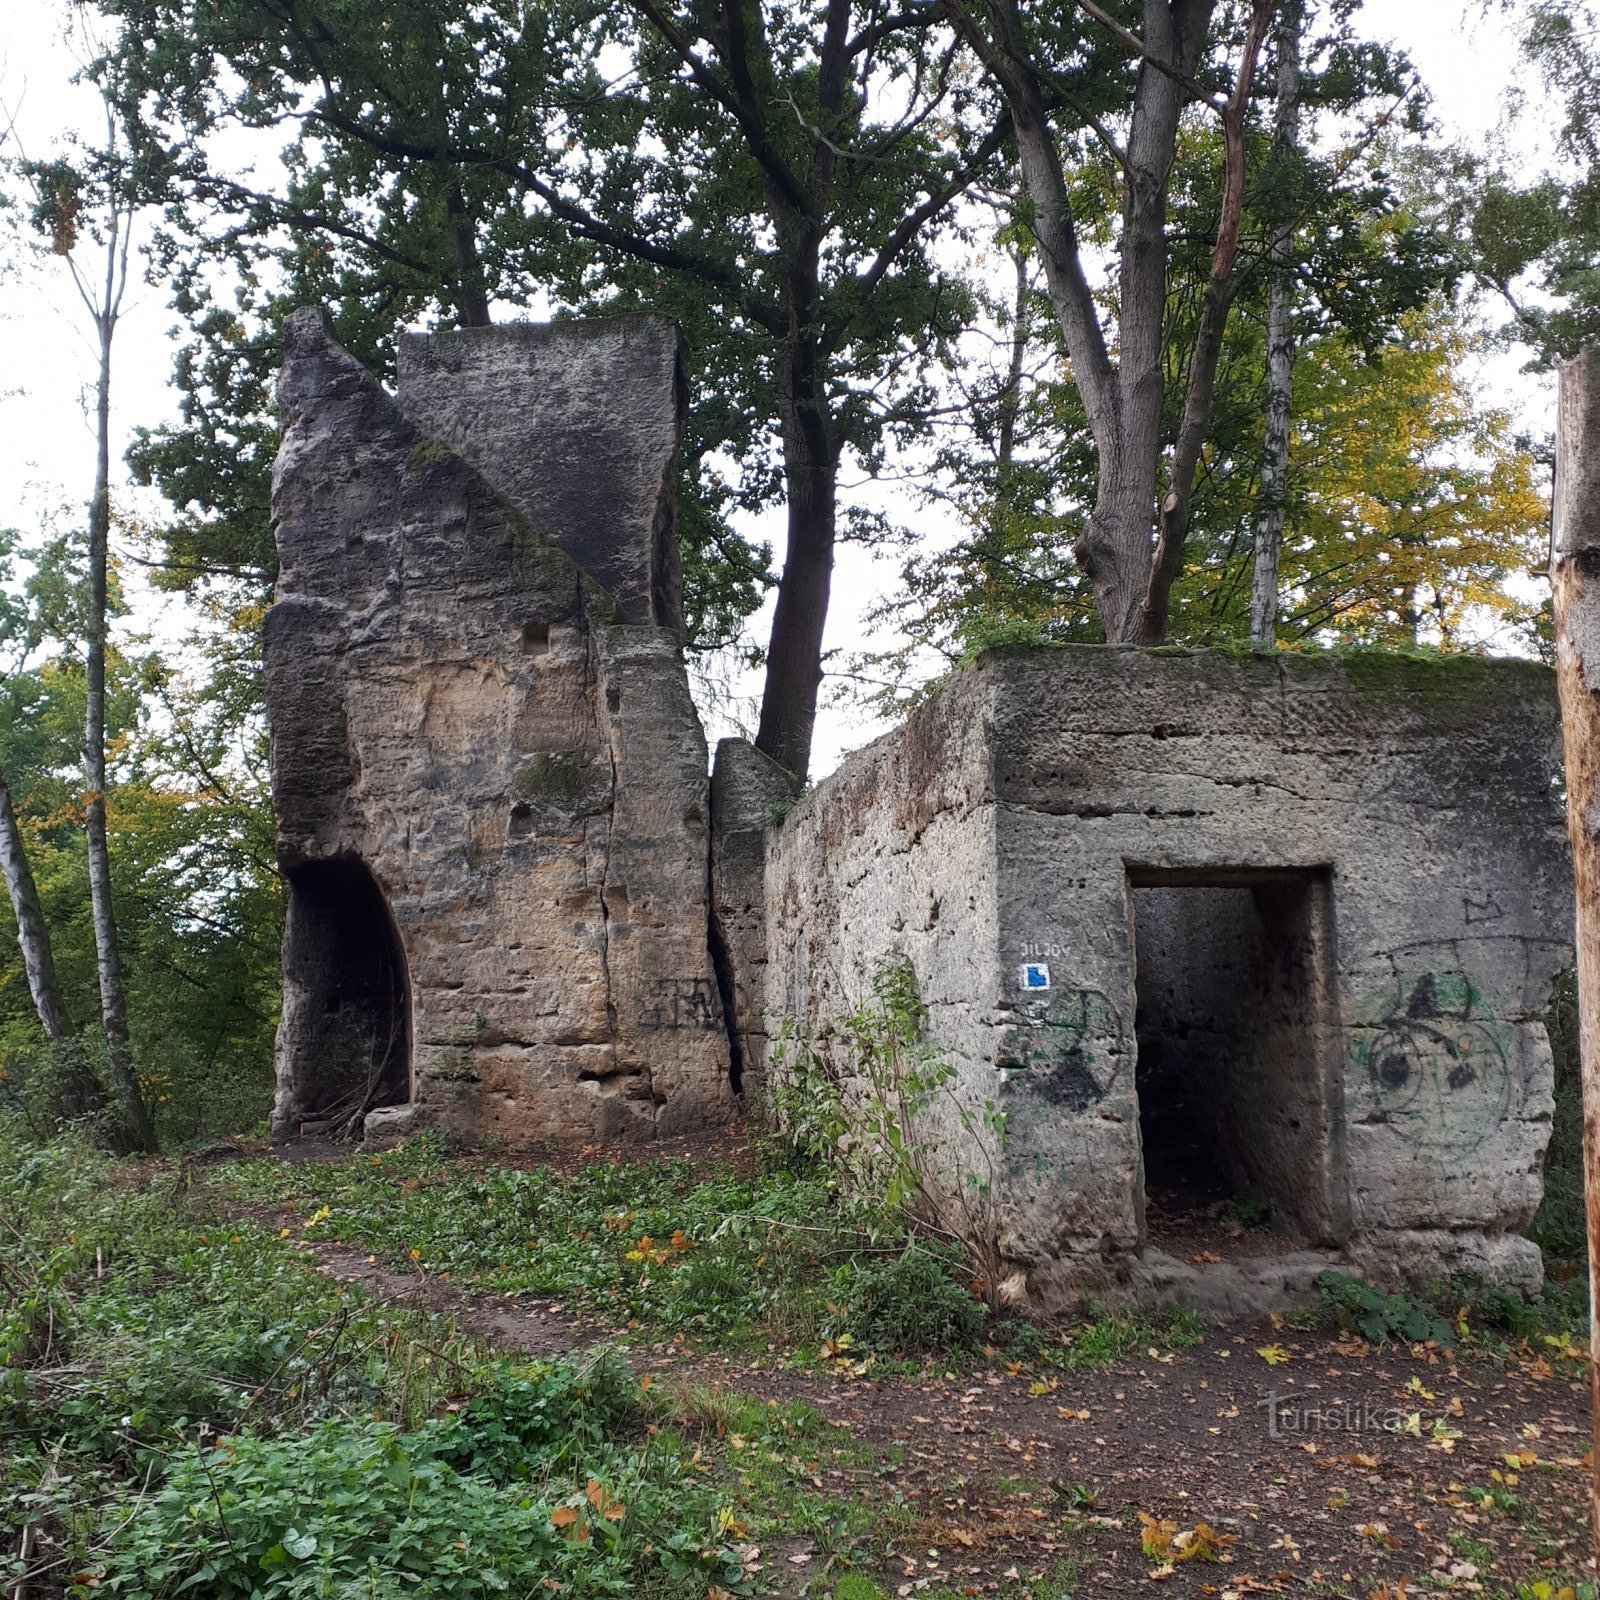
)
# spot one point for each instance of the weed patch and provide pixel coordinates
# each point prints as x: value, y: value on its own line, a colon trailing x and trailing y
x: 187, y: 1406
x: 784, y: 1255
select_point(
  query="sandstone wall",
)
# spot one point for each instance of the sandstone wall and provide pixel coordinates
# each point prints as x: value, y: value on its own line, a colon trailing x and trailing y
x: 748, y: 790
x: 1010, y: 825
x: 507, y: 750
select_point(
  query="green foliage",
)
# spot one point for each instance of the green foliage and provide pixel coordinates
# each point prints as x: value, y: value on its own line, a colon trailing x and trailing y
x: 1532, y: 238
x: 193, y: 859
x: 357, y: 1506
x: 880, y: 1106
x: 186, y: 1405
x: 715, y: 1256
x: 1251, y: 1213
x: 1382, y: 1317
x: 910, y: 1303
x: 1108, y: 1337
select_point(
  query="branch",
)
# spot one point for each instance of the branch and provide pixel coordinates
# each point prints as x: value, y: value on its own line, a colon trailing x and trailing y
x: 914, y: 222
x: 1144, y: 53
x: 1052, y: 222
x: 739, y: 105
x: 896, y: 22
x: 583, y: 222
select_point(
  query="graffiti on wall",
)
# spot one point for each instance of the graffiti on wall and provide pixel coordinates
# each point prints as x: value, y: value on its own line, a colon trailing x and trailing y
x: 1071, y: 1053
x: 1435, y: 1068
x: 678, y: 1004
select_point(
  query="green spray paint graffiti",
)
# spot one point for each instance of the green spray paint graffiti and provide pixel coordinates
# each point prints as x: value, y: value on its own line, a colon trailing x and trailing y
x: 1434, y: 1068
x: 1070, y: 1054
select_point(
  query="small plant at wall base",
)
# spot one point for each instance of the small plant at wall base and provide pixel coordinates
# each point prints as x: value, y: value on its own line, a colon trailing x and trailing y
x: 874, y: 1106
x: 1382, y: 1317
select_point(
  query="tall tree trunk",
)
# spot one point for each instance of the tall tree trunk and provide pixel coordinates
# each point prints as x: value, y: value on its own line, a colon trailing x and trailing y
x: 1575, y: 596
x: 996, y: 538
x: 1280, y: 350
x: 138, y: 1132
x: 1010, y: 408
x: 1195, y: 423
x: 811, y: 483
x: 472, y: 292
x: 33, y: 933
x: 794, y: 657
x: 1129, y: 567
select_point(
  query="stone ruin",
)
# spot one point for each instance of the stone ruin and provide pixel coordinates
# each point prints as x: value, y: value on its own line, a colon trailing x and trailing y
x: 489, y: 777
x: 1195, y: 928
x: 1279, y: 928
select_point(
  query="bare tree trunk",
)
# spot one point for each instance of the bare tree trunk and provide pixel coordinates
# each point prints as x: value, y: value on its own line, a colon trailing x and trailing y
x: 1280, y: 351
x: 33, y: 933
x: 138, y: 1132
x: 472, y: 293
x: 1575, y: 585
x: 1167, y: 562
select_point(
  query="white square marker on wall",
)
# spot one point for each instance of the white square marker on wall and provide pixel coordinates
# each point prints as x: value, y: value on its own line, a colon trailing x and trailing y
x: 1034, y: 975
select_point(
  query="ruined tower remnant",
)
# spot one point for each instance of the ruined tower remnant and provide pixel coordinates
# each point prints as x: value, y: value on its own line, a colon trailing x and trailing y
x: 489, y: 777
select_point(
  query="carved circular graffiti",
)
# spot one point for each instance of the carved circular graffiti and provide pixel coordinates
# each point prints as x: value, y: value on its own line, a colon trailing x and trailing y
x: 1442, y: 1084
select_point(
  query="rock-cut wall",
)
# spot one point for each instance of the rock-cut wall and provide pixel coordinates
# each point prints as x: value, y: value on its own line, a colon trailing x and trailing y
x: 489, y: 777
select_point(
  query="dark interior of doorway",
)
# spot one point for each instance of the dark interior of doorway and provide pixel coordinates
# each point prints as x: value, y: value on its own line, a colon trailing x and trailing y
x: 345, y: 997
x: 1237, y: 1107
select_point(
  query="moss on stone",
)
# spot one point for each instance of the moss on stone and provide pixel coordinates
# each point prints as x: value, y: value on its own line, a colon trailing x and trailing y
x: 561, y: 773
x: 427, y: 453
x: 1451, y: 691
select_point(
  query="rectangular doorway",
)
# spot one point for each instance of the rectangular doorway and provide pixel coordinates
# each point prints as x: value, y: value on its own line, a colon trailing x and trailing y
x: 1237, y: 1072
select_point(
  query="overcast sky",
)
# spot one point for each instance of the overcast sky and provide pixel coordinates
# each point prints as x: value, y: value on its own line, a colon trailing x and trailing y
x: 1468, y: 60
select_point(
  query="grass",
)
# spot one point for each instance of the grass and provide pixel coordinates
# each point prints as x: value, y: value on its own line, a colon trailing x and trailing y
x: 1101, y: 1339
x: 783, y: 1260
x: 1058, y: 1583
x: 186, y: 1405
x: 779, y: 1255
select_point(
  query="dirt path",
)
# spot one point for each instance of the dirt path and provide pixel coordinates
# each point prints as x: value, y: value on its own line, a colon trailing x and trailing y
x: 1368, y: 1468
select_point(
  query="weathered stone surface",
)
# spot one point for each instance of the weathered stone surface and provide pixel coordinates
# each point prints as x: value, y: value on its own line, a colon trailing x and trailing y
x: 1338, y: 889
x: 593, y: 463
x: 491, y: 789
x: 748, y: 789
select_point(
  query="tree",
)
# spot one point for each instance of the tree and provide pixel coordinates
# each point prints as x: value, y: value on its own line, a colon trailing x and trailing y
x: 1414, y: 501
x: 1412, y: 505
x: 1534, y: 243
x: 94, y: 199
x: 1361, y: 262
x: 1280, y: 345
x: 21, y: 634
x: 1123, y: 396
x: 1116, y: 166
x: 767, y: 174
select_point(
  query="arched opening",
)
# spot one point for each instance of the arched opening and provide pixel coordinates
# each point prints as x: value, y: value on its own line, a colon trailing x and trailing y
x: 346, y: 1034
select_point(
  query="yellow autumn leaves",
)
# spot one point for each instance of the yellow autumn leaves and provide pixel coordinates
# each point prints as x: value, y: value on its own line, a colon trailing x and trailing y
x: 576, y: 1522
x: 1166, y: 1544
x: 648, y: 1253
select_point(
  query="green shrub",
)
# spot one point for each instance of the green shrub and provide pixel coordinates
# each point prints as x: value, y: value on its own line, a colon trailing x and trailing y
x: 353, y: 1508
x: 911, y: 1303
x: 531, y: 1418
x: 660, y: 1245
x: 1382, y: 1317
x: 191, y: 1407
